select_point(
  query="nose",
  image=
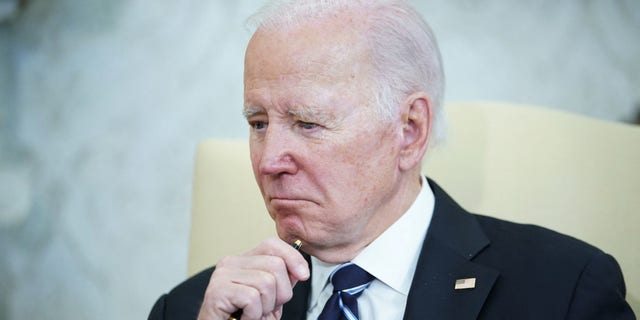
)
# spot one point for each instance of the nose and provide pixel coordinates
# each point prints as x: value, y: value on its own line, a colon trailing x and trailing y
x: 276, y: 153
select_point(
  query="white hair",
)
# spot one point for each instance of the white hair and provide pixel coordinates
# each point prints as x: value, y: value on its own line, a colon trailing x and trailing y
x: 403, y: 49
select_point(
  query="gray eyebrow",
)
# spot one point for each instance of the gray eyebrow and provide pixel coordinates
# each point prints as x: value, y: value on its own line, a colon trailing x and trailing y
x: 301, y: 112
x: 312, y: 114
x: 249, y: 112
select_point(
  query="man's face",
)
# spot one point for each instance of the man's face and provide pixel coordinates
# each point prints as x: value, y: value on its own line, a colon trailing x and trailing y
x: 325, y: 164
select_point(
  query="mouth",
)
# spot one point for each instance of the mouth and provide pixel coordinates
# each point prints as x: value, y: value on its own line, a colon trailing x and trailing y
x: 287, y: 201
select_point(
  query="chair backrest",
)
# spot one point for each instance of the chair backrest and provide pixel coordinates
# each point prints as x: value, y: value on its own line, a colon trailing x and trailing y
x: 570, y: 173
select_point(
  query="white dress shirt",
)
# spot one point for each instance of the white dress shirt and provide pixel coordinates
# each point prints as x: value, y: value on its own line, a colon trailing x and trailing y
x: 391, y: 259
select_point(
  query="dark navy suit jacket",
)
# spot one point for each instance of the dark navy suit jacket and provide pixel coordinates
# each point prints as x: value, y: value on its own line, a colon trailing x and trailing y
x: 522, y: 272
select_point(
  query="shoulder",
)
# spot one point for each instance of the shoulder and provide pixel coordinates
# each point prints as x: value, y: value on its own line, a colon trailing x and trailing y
x: 520, y: 248
x: 533, y: 239
x: 571, y: 276
x: 183, y: 301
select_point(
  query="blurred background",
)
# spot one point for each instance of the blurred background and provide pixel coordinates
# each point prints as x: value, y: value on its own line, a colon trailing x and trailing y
x: 102, y: 103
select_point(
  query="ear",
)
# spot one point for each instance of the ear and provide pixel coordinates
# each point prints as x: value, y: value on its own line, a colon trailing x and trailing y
x: 417, y: 118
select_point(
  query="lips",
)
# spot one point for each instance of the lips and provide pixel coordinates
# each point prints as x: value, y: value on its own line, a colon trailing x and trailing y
x: 279, y: 192
x: 288, y: 199
x: 285, y: 196
x: 285, y: 199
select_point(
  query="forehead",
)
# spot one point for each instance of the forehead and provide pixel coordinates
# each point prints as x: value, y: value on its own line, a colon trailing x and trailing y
x: 319, y: 51
x: 318, y: 66
x: 323, y: 64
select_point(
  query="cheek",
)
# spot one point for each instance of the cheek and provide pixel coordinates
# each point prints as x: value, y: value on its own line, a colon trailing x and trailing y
x: 367, y: 161
x: 369, y: 152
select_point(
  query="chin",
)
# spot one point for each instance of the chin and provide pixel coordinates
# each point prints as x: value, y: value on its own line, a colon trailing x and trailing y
x: 289, y: 228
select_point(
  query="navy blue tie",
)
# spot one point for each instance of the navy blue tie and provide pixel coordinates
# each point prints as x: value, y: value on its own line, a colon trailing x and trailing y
x: 348, y: 281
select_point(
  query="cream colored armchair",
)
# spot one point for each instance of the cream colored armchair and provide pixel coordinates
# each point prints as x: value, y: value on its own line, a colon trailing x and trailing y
x: 573, y: 174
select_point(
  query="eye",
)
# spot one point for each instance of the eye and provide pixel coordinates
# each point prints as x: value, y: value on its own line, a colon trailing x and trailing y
x: 307, y: 125
x: 258, y: 125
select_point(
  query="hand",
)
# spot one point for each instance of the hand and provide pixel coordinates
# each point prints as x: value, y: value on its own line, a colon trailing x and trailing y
x: 259, y: 282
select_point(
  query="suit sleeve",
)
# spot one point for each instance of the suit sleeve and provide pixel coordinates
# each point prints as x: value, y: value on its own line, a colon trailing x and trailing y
x: 600, y: 292
x: 157, y: 312
x: 182, y: 302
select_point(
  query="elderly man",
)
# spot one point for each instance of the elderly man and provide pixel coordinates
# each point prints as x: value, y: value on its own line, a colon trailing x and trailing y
x: 343, y: 99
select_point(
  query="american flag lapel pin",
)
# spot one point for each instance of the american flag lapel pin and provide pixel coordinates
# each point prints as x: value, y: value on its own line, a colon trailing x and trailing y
x: 468, y: 283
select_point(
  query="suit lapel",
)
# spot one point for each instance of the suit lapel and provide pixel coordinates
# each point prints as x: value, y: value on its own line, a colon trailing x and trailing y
x: 453, y: 240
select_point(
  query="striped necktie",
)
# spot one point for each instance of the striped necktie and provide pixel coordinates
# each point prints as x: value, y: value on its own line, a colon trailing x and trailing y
x: 348, y: 281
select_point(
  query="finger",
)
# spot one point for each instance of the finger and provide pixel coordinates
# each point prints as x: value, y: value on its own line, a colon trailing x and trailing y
x: 248, y: 299
x: 297, y: 266
x: 225, y: 297
x: 265, y: 284
x: 267, y: 274
x: 277, y: 313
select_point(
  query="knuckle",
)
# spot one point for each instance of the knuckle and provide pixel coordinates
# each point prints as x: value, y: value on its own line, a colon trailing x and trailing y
x: 223, y: 262
x: 272, y: 241
x: 284, y: 296
x: 252, y: 297
x: 275, y: 264
x: 269, y: 243
x: 252, y: 305
x: 267, y: 282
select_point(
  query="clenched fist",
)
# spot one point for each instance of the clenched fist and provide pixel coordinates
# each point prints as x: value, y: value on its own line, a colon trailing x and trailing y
x: 259, y: 282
